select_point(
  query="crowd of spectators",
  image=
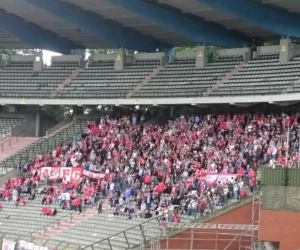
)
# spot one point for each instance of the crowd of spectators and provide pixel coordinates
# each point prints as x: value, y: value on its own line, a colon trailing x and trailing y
x: 152, y: 170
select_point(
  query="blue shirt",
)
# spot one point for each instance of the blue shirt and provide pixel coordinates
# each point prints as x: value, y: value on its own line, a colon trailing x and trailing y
x: 128, y: 193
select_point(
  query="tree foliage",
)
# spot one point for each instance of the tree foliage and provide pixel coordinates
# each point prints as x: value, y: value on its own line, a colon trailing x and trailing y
x: 56, y: 113
x: 6, y: 53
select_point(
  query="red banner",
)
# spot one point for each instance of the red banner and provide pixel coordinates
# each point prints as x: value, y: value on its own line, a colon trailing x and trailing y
x: 70, y: 174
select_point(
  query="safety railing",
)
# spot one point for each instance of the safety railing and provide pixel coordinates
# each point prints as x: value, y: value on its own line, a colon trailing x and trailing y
x: 42, y: 146
x: 8, y: 131
x: 8, y: 142
x: 147, y: 231
x: 254, y: 90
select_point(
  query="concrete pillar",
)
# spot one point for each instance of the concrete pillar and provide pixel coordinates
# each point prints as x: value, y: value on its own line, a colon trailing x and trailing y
x: 37, y: 121
x: 91, y: 59
x: 247, y: 55
x: 163, y: 61
x: 201, y: 57
x: 171, y: 111
x: 120, y: 59
x: 75, y: 113
x: 38, y: 61
x: 129, y: 59
x: 286, y: 50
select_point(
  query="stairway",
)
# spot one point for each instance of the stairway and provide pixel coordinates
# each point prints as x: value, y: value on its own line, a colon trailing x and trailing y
x: 225, y: 79
x: 13, y: 144
x: 66, y: 82
x: 69, y: 222
x: 145, y: 81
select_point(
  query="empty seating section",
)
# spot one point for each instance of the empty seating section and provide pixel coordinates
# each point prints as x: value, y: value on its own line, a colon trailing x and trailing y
x: 101, y: 80
x: 43, y: 145
x: 24, y: 221
x: 18, y: 79
x: 6, y: 124
x: 13, y: 80
x: 181, y: 78
x: 262, y: 76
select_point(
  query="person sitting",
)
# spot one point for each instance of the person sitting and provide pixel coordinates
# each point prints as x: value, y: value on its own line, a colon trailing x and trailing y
x: 54, y: 212
x: 44, y: 210
x: 49, y: 212
x: 48, y: 200
x: 22, y: 201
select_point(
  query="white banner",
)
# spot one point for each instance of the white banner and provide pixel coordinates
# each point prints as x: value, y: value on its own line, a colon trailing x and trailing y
x: 39, y: 248
x: 8, y: 245
x: 211, y: 178
x: 24, y: 245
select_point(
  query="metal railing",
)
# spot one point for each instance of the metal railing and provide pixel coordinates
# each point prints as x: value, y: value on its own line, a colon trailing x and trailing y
x: 5, y: 132
x: 254, y: 90
x: 41, y: 146
x: 144, y: 228
x: 8, y: 142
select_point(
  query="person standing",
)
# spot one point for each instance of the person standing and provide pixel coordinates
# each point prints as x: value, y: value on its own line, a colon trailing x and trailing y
x: 100, y: 202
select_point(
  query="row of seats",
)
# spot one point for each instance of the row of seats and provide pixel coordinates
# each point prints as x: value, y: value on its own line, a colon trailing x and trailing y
x: 265, y: 75
x: 262, y: 76
x: 101, y: 80
x: 181, y: 78
x: 18, y: 80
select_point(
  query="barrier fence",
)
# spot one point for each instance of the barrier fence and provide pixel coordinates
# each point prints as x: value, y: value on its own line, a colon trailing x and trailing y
x: 136, y: 237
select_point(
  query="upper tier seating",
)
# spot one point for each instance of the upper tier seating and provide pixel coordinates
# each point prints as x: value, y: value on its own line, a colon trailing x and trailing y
x: 181, y: 78
x: 18, y: 80
x: 262, y: 76
x: 6, y: 123
x: 101, y: 80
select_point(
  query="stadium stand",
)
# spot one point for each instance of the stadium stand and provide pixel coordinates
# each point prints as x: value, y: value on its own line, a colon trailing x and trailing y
x: 181, y: 78
x: 264, y: 75
x: 101, y: 80
x: 205, y: 204
x: 19, y: 79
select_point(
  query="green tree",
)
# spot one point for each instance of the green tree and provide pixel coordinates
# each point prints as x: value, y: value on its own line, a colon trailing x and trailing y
x: 6, y: 53
x: 56, y: 113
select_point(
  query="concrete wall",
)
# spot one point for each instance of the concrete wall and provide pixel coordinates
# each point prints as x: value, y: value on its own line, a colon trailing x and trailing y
x: 232, y: 52
x: 18, y: 58
x: 28, y: 127
x: 280, y: 226
x: 185, y: 54
x: 58, y: 126
x: 268, y: 49
x: 108, y: 57
x: 13, y: 115
x: 142, y: 56
x: 66, y: 58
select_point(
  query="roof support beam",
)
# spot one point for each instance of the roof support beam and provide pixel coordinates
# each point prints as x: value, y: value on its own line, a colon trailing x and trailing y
x: 34, y: 35
x: 196, y: 30
x: 278, y: 21
x: 102, y: 28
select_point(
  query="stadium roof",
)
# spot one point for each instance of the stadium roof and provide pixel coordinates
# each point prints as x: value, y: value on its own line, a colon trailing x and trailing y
x: 62, y: 25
